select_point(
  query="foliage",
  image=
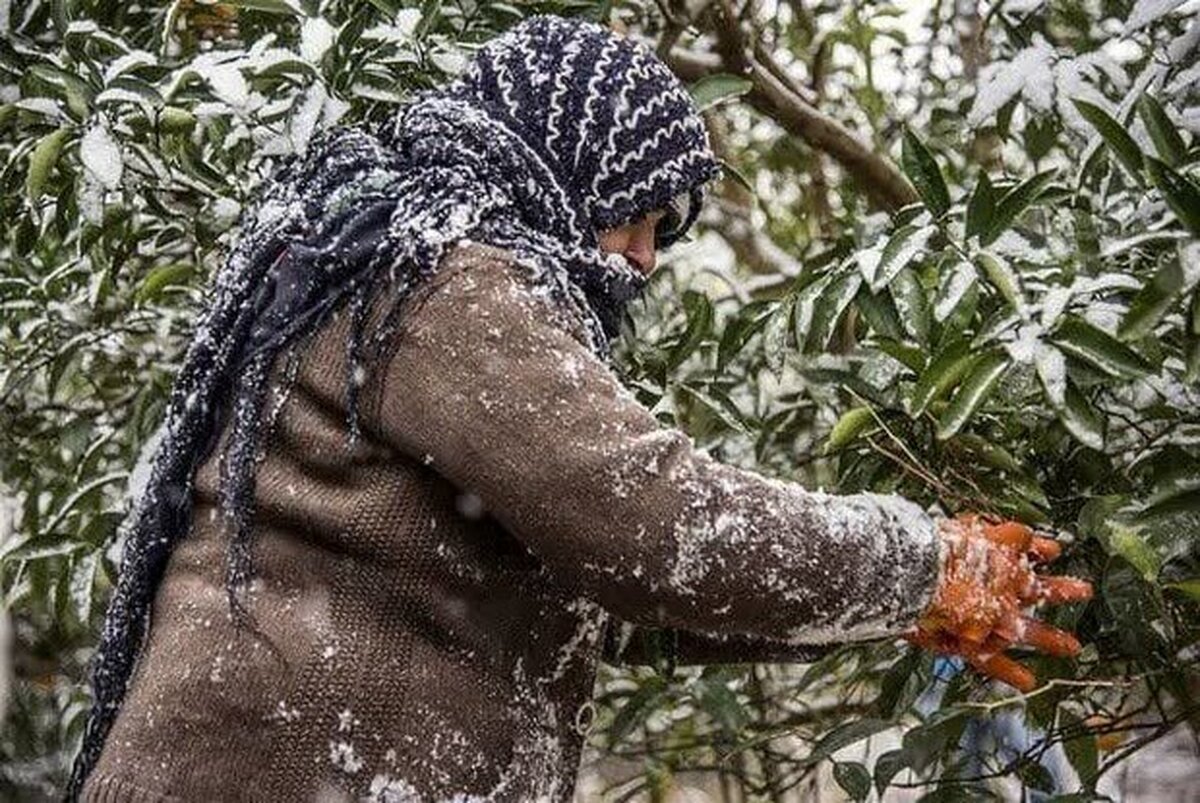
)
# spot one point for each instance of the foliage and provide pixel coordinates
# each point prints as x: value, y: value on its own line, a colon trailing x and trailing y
x: 1024, y: 339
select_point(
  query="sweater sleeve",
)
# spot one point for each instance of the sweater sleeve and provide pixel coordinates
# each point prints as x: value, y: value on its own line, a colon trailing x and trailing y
x: 490, y: 385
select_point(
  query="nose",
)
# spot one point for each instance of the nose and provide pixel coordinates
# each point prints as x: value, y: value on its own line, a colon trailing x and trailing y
x: 641, y: 249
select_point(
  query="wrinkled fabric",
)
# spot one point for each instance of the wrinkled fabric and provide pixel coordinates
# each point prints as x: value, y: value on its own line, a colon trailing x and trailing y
x: 431, y: 601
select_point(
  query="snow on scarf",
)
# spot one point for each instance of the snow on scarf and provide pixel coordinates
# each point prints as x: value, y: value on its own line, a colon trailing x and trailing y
x: 557, y: 129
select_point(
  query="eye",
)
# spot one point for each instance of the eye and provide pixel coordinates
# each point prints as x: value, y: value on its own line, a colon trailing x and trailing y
x: 668, y: 228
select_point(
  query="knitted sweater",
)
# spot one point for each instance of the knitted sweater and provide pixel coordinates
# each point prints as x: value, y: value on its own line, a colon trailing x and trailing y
x: 431, y: 600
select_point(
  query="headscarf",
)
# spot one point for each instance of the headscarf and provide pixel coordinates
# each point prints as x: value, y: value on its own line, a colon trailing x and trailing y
x: 558, y: 129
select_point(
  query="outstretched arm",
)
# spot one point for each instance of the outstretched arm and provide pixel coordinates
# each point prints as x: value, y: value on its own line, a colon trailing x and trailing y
x: 489, y: 382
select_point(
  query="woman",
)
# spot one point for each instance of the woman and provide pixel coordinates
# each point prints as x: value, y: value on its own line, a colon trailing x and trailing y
x: 400, y: 493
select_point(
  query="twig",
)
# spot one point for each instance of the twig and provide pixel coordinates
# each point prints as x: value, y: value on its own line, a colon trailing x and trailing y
x: 877, y: 176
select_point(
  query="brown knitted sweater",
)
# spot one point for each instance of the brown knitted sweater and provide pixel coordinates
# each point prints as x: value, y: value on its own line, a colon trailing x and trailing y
x: 430, y: 603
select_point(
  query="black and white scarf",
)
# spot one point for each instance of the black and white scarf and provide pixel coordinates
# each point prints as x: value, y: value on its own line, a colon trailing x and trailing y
x: 557, y: 130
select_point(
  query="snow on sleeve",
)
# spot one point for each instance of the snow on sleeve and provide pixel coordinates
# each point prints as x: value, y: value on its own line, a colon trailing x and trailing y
x: 517, y: 411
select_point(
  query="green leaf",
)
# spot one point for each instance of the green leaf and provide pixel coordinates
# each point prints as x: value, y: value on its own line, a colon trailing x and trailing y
x: 270, y: 6
x: 716, y: 699
x: 1191, y: 358
x: 1081, y: 419
x: 853, y: 778
x: 955, y: 286
x: 1035, y: 776
x: 887, y: 767
x: 720, y: 408
x: 639, y: 706
x: 843, y: 736
x: 900, y: 684
x: 754, y: 317
x: 1014, y: 202
x: 1115, y: 137
x: 981, y: 209
x: 431, y: 14
x: 833, y: 377
x: 1096, y: 347
x: 828, y: 308
x: 1002, y: 276
x: 879, y: 313
x: 174, y: 120
x: 1081, y: 750
x: 950, y: 365
x: 42, y: 160
x: 925, y: 743
x: 1167, y: 142
x: 775, y: 333
x: 1179, y: 193
x: 731, y: 170
x: 912, y: 357
x: 973, y: 392
x: 159, y: 279
x: 712, y: 89
x: 852, y: 423
x: 1152, y: 302
x: 699, y: 326
x: 1187, y: 501
x: 1127, y: 541
x: 922, y: 170
x: 1189, y: 587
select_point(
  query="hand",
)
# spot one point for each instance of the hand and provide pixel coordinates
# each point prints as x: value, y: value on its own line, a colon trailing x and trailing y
x: 986, y: 581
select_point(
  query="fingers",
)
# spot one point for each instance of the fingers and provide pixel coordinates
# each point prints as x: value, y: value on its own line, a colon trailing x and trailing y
x: 987, y: 658
x: 1062, y: 589
x: 1005, y: 669
x: 1047, y: 638
x: 1014, y: 535
x: 1043, y: 550
x: 1011, y: 534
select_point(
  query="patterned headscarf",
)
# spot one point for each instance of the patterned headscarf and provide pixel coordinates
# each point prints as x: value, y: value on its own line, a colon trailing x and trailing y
x: 558, y: 129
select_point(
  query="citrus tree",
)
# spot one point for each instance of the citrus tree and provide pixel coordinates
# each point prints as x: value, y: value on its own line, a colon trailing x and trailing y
x: 955, y: 256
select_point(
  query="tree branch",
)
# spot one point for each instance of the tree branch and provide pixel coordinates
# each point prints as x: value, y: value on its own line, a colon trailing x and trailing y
x: 883, y: 183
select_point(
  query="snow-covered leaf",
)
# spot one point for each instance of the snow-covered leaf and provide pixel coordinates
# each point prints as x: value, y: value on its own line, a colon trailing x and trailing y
x: 316, y: 37
x: 101, y: 155
x: 1147, y: 11
x: 1002, y: 276
x: 954, y: 285
x: 1029, y: 70
x: 828, y: 308
x: 1081, y: 339
x: 911, y: 304
x: 880, y: 263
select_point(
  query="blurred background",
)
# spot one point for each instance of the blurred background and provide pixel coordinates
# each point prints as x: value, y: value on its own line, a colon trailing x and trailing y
x: 955, y: 255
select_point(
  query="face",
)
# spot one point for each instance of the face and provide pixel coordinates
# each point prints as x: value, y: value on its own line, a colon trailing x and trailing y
x: 634, y: 241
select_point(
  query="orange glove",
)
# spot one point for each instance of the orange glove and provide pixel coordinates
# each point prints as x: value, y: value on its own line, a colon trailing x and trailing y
x: 987, y: 579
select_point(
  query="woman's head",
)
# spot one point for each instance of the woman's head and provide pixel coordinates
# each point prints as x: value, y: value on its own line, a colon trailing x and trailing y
x: 608, y: 132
